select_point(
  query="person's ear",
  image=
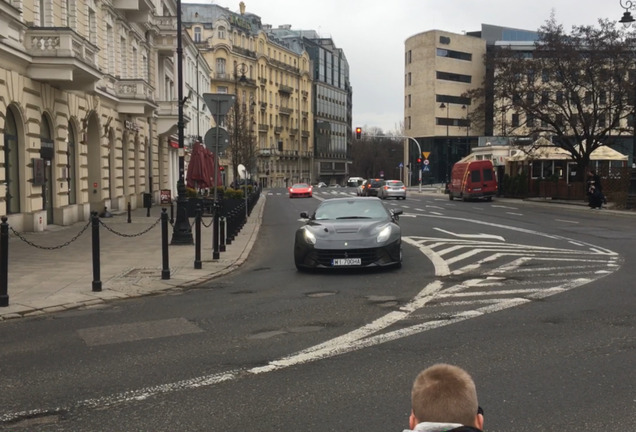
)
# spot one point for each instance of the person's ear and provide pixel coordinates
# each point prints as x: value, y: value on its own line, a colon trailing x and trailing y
x: 412, y: 421
x: 479, y: 421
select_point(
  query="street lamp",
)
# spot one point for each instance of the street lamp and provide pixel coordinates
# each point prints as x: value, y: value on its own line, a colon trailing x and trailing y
x: 627, y: 18
x: 182, y: 232
x: 447, y: 150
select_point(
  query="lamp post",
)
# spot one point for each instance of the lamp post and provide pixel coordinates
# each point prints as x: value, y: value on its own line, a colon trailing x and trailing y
x: 627, y: 19
x: 446, y: 152
x: 182, y: 232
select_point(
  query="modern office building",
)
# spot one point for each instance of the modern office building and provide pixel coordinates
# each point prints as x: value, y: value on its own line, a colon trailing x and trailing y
x: 87, y: 107
x: 272, y: 82
x: 440, y: 68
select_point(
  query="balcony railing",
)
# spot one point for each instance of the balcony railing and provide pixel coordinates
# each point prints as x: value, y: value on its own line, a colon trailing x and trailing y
x: 285, y: 110
x: 134, y: 89
x: 285, y: 89
x: 60, y: 43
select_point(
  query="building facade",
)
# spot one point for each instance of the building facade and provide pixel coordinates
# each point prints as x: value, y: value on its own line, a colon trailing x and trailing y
x: 87, y: 107
x: 440, y: 68
x: 272, y: 84
x: 332, y: 103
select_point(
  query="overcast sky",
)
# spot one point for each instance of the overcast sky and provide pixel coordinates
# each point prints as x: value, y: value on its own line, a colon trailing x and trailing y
x: 372, y: 34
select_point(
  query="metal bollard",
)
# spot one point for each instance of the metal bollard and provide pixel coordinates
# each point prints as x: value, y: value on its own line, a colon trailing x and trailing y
x: 215, y: 233
x: 197, y: 238
x: 129, y: 211
x: 165, y: 270
x: 171, y: 213
x: 97, y: 283
x: 4, y: 262
x: 222, y: 234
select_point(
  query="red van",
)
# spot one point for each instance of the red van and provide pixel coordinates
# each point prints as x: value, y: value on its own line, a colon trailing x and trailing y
x: 473, y: 180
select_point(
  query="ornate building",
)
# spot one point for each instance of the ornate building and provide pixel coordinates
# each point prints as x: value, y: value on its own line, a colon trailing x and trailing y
x: 87, y: 107
x: 272, y: 82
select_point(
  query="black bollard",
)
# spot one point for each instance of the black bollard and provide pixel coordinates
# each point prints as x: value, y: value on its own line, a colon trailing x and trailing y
x: 97, y: 283
x: 129, y: 211
x: 165, y: 270
x: 222, y: 234
x: 4, y: 262
x: 197, y: 238
x: 215, y: 233
x: 171, y: 213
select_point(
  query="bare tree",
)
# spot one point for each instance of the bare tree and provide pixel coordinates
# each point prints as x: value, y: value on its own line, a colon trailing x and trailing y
x: 576, y: 89
x: 242, y: 147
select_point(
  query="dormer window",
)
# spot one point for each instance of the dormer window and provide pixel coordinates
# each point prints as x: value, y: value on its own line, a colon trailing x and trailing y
x: 197, y: 34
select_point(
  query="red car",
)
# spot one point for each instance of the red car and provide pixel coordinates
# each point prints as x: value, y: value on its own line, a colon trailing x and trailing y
x: 300, y: 190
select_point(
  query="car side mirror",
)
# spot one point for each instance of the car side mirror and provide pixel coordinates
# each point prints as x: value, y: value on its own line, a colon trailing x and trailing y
x: 396, y: 214
x: 304, y: 215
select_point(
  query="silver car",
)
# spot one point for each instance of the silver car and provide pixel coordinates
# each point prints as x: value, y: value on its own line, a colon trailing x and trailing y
x: 392, y: 189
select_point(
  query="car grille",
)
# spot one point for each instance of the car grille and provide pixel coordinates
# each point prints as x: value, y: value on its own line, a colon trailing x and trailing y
x: 367, y: 256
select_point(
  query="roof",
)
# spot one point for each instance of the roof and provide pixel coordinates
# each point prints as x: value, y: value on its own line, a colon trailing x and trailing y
x: 551, y: 152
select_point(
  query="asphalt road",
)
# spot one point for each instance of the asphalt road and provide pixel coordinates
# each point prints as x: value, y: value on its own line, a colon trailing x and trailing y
x: 535, y: 301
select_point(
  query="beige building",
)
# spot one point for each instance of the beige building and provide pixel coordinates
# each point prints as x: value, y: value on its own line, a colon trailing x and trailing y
x: 272, y: 80
x: 87, y: 107
x: 440, y: 68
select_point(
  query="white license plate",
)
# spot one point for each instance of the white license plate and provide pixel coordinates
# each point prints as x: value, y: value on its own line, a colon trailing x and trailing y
x: 346, y: 261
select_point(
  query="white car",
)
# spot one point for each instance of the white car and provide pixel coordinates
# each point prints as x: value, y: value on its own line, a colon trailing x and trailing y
x: 392, y: 189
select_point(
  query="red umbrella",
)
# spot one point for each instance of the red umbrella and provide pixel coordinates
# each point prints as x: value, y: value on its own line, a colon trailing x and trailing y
x: 198, y: 175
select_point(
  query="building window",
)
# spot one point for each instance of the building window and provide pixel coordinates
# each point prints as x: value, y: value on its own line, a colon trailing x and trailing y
x: 458, y: 55
x: 448, y: 76
x: 515, y: 120
x: 220, y: 67
x: 197, y: 34
x: 221, y: 33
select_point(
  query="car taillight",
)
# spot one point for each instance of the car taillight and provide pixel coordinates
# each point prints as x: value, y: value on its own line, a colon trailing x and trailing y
x: 386, y: 188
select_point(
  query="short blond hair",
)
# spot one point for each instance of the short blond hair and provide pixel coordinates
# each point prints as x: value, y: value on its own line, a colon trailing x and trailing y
x: 444, y: 393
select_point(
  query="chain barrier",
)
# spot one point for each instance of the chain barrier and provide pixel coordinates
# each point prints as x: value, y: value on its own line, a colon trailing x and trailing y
x: 30, y: 243
x: 130, y: 235
x: 208, y: 225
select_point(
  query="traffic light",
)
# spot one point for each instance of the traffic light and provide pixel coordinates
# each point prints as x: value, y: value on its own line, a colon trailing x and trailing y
x: 419, y: 162
x: 358, y: 132
x: 222, y: 168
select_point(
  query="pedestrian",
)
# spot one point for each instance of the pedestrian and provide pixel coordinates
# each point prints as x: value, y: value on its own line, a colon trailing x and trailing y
x: 444, y: 399
x: 595, y: 195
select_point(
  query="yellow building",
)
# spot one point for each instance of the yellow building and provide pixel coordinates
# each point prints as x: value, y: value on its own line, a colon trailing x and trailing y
x: 270, y: 79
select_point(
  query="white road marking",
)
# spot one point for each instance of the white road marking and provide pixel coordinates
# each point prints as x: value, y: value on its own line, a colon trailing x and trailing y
x: 514, y: 214
x: 566, y: 221
x: 471, y: 236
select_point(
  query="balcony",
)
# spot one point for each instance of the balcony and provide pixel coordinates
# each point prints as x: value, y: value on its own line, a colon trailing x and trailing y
x: 136, y: 97
x: 166, y: 38
x: 263, y: 105
x: 293, y: 131
x: 263, y: 127
x: 167, y: 117
x: 278, y: 130
x: 285, y: 89
x: 285, y: 111
x: 136, y: 11
x: 305, y: 134
x: 61, y: 56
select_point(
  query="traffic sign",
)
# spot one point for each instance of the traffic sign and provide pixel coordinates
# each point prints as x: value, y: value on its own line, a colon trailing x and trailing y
x: 210, y: 139
x: 426, y: 154
x: 219, y: 104
x: 426, y: 162
x: 426, y: 168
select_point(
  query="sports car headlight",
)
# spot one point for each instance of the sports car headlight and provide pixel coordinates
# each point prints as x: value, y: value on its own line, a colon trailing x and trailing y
x: 309, y: 236
x: 384, y: 234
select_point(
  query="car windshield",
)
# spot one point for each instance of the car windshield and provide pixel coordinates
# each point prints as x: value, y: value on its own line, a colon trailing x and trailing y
x: 351, y: 209
x: 300, y: 186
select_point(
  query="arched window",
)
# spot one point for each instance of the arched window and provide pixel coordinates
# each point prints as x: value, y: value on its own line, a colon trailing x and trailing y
x: 11, y: 164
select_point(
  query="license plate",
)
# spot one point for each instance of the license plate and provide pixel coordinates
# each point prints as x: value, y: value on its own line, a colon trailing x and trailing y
x: 477, y: 189
x: 346, y: 261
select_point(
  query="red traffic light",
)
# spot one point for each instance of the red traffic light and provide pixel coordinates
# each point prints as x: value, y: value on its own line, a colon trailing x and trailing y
x: 222, y: 168
x: 358, y: 132
x: 419, y: 160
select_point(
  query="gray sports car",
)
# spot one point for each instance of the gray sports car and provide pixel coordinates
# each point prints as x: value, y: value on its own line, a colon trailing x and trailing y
x: 349, y: 233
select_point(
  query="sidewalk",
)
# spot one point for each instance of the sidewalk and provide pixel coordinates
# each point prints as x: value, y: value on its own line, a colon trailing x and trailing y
x: 42, y: 281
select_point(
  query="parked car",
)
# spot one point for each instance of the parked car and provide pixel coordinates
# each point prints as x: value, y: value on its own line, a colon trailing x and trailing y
x: 349, y: 232
x: 392, y: 189
x: 473, y: 180
x: 372, y: 187
x: 354, y: 181
x: 360, y: 189
x: 300, y: 190
x: 321, y: 185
